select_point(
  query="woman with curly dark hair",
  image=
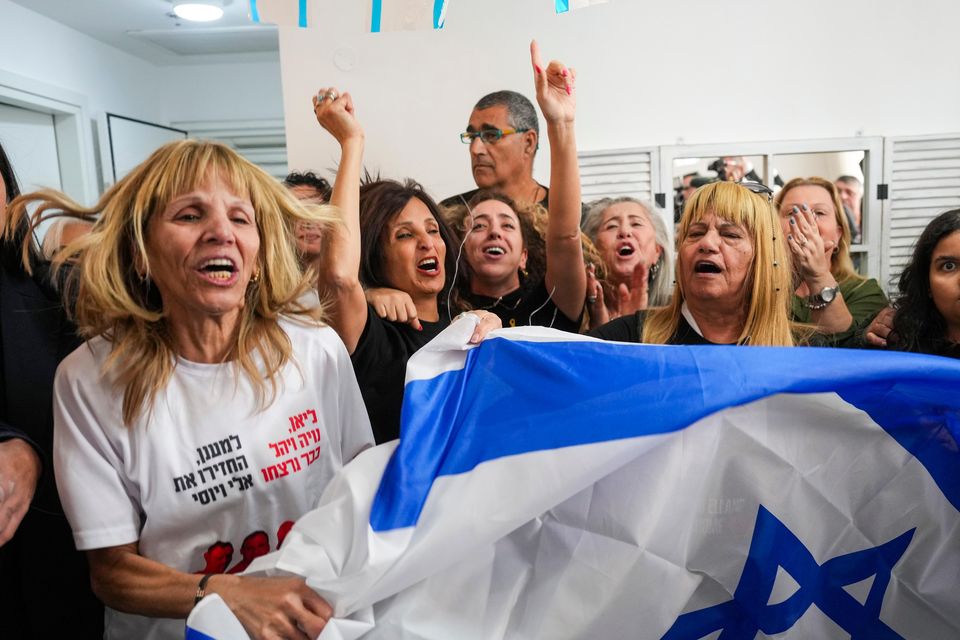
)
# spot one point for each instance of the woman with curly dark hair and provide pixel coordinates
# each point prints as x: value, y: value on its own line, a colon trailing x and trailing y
x: 927, y: 316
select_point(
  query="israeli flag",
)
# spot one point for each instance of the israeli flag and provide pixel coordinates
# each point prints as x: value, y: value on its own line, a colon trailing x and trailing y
x: 563, y: 6
x: 284, y: 13
x: 407, y: 15
x: 551, y: 486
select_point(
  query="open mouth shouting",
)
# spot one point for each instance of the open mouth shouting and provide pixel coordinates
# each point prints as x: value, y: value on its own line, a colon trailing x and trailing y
x: 494, y: 251
x: 706, y: 267
x: 219, y: 271
x: 429, y: 266
x: 625, y: 250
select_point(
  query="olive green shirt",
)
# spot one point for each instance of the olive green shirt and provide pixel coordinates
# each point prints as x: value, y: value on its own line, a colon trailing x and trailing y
x: 864, y: 299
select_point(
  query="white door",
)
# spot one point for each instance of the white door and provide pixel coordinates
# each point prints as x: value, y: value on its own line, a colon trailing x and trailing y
x: 30, y: 140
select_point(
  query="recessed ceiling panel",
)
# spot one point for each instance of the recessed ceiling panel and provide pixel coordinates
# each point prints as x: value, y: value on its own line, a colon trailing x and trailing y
x: 226, y: 40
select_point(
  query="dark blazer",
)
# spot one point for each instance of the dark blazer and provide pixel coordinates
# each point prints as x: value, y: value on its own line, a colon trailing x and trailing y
x: 44, y: 582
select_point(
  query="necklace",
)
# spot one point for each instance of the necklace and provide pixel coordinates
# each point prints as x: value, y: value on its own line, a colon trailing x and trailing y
x: 499, y: 302
x: 536, y: 192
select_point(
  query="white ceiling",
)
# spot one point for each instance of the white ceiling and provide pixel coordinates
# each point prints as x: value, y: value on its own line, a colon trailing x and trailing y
x: 148, y: 29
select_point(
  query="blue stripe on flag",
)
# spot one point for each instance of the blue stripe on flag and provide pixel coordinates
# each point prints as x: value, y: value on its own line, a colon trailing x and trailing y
x: 438, y: 13
x: 560, y: 394
x: 193, y: 634
x: 562, y: 6
x: 303, y: 14
x: 376, y: 13
x: 254, y: 14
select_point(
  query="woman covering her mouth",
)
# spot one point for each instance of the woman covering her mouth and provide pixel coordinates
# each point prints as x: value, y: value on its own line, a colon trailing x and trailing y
x: 829, y: 293
x: 733, y: 277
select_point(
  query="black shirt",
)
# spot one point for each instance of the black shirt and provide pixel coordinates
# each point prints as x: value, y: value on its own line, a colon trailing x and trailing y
x: 380, y: 362
x: 630, y: 329
x: 463, y: 198
x: 526, y: 306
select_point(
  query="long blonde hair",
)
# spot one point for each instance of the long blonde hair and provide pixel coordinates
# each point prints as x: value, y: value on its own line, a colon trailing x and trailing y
x: 768, y: 321
x: 115, y: 302
x: 841, y: 265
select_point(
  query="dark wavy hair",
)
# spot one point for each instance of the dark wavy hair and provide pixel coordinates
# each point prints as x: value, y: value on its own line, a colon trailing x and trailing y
x: 918, y: 325
x: 380, y: 201
x: 309, y: 179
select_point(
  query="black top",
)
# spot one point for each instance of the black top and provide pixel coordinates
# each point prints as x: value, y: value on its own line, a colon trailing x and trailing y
x: 630, y: 329
x: 463, y: 198
x: 41, y: 557
x: 940, y: 348
x: 380, y: 362
x: 949, y: 350
x: 527, y: 306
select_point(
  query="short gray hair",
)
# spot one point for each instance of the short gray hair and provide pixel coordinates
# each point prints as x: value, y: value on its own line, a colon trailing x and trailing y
x: 520, y: 110
x: 51, y: 239
x: 662, y: 284
x: 851, y: 180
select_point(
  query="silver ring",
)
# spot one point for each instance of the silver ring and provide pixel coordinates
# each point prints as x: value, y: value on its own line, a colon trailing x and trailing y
x: 333, y: 95
x: 592, y: 299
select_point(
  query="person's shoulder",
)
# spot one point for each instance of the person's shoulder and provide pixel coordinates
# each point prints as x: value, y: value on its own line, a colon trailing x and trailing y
x: 623, y: 329
x: 308, y: 334
x: 91, y: 353
x: 83, y: 367
x: 859, y: 282
x: 459, y: 198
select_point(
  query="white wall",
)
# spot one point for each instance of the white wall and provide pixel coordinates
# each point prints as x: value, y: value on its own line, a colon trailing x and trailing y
x: 36, y: 47
x: 42, y: 54
x: 651, y: 72
x: 248, y: 91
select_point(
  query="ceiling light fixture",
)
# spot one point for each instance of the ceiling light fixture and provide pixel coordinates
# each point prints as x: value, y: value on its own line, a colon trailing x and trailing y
x: 197, y: 12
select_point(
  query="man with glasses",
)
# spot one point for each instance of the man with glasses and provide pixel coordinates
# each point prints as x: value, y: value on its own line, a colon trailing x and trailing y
x: 503, y: 135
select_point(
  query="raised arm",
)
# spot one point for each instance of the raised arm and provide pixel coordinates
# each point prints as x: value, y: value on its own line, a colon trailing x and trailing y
x: 556, y: 94
x: 340, y: 276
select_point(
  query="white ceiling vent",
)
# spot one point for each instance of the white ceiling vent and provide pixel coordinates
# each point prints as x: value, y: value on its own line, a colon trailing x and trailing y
x: 212, y: 40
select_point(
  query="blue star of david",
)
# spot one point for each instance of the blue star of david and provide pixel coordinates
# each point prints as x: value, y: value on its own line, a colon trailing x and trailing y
x: 774, y: 545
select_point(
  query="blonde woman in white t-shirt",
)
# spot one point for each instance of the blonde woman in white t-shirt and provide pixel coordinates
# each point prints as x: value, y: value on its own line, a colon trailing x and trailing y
x: 209, y: 407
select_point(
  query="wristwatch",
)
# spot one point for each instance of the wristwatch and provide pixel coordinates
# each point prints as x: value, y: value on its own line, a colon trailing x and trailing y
x: 823, y: 298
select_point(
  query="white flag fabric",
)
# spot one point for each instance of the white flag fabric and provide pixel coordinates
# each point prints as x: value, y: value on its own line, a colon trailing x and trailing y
x: 550, y: 486
x: 284, y: 13
x: 563, y: 6
x: 407, y: 15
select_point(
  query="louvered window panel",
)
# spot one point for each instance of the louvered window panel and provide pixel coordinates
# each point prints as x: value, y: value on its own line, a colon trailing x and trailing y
x: 619, y: 172
x: 263, y: 143
x: 923, y: 174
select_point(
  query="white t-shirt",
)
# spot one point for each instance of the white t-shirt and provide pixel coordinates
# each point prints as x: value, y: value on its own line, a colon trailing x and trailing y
x: 205, y: 481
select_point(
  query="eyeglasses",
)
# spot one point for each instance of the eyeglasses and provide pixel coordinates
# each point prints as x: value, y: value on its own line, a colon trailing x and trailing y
x: 759, y: 189
x: 489, y: 136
